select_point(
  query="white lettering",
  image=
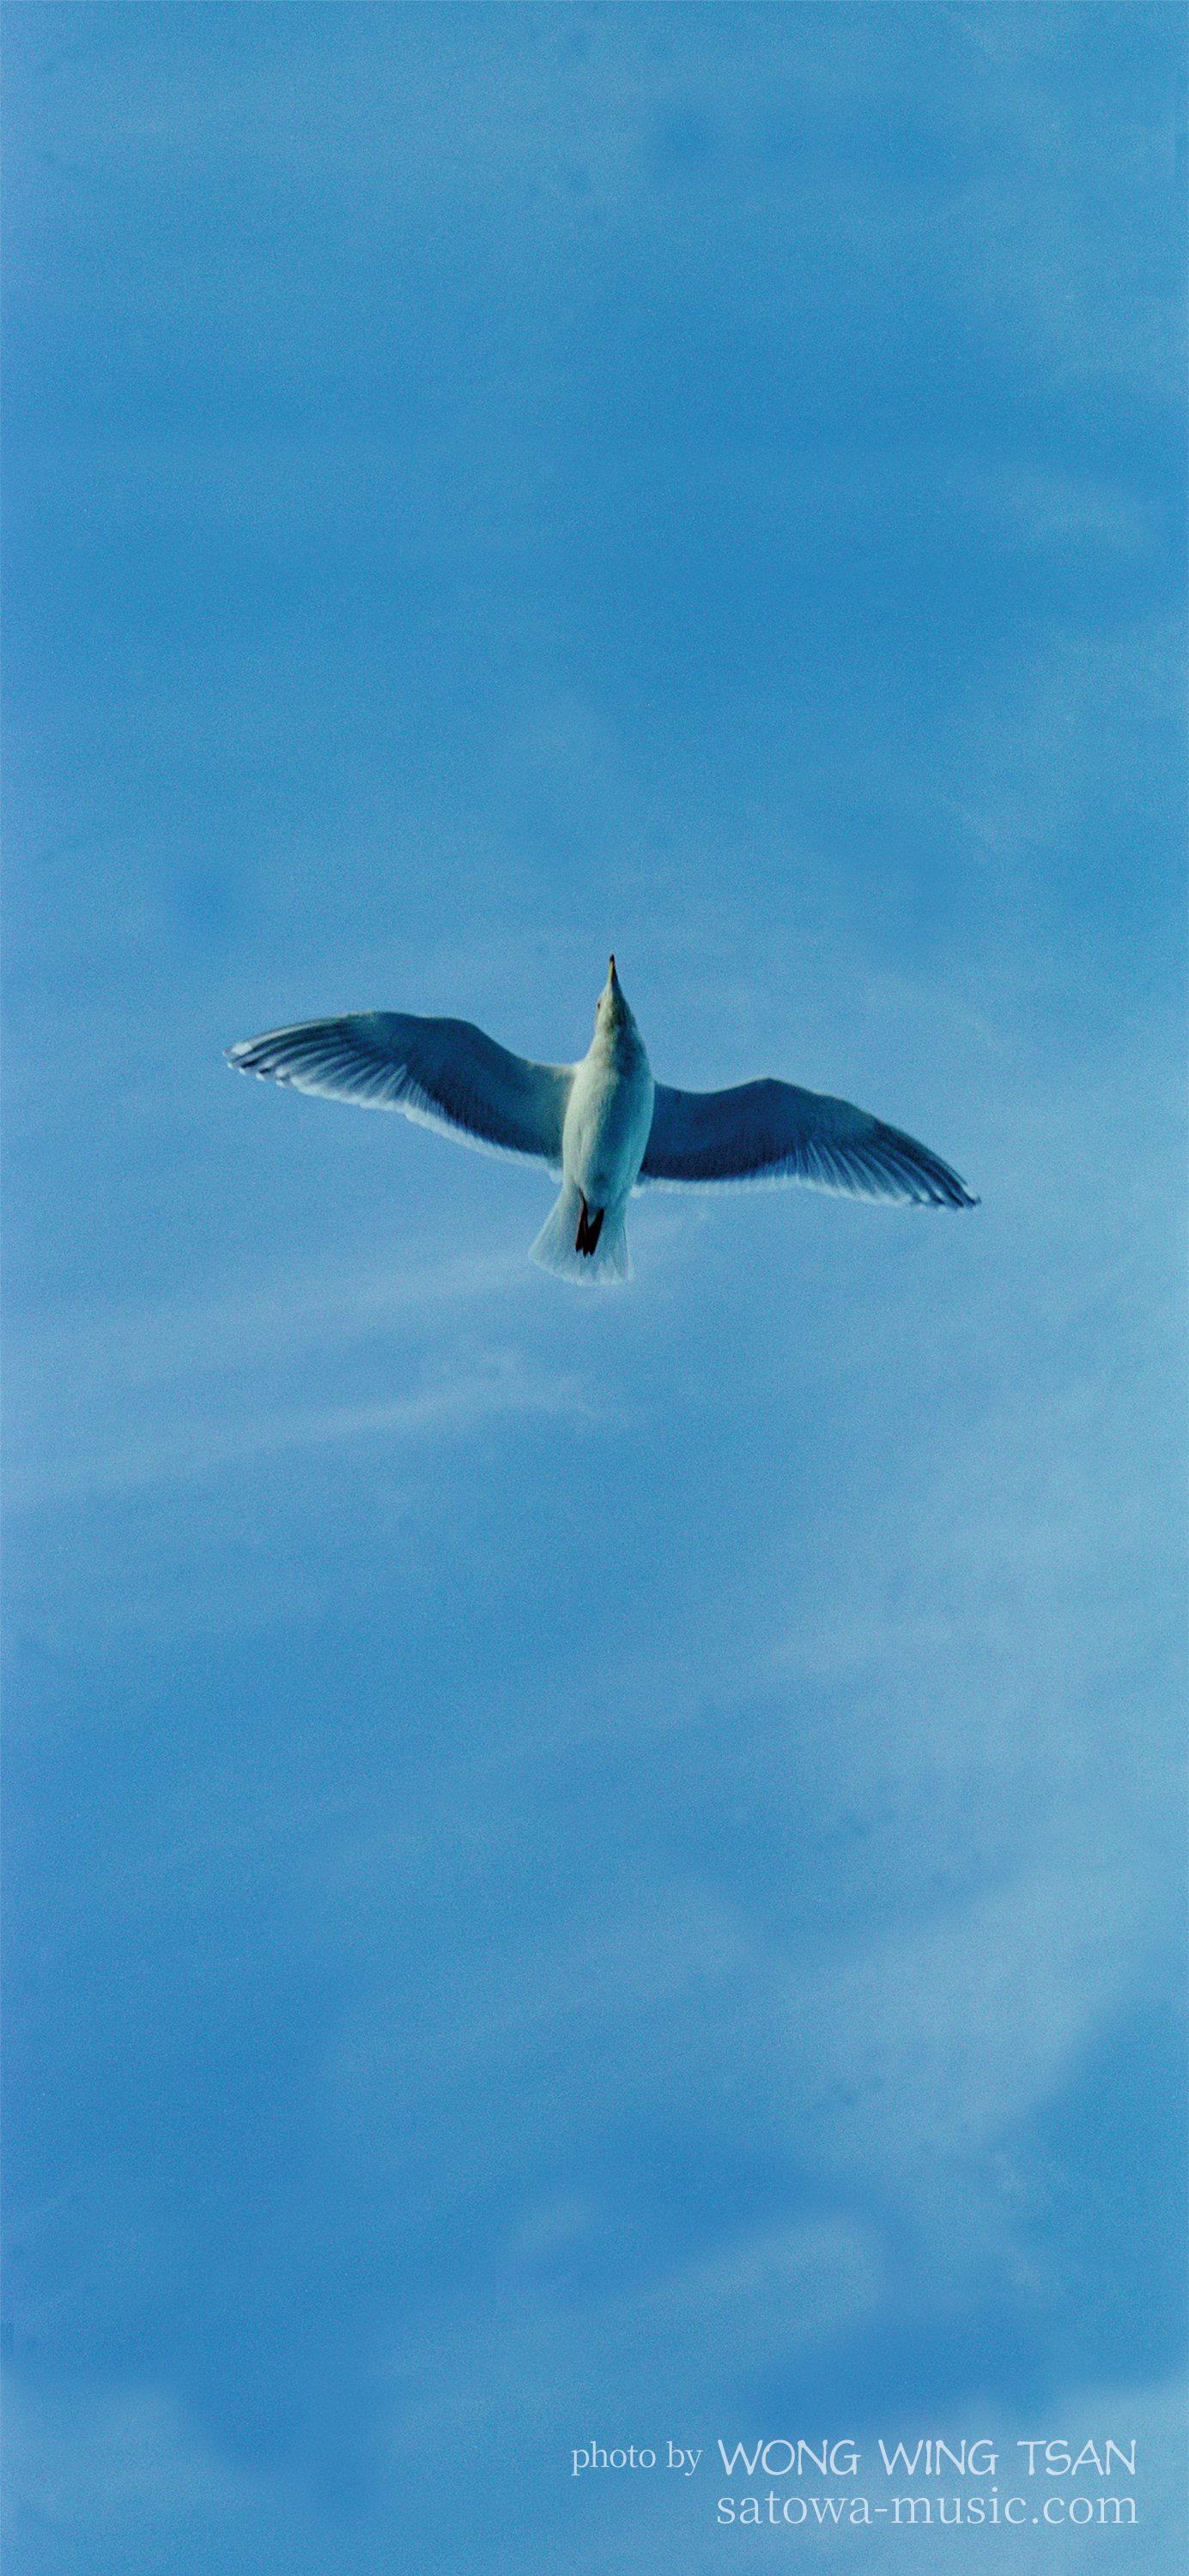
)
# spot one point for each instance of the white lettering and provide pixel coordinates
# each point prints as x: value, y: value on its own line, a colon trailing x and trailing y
x: 901, y: 2454
x: 740, y: 2454
x: 594, y: 2457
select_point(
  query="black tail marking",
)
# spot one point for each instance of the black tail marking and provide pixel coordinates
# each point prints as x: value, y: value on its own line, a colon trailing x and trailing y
x: 588, y: 1229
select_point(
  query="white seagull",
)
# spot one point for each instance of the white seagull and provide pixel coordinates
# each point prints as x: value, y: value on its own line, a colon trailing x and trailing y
x: 604, y: 1125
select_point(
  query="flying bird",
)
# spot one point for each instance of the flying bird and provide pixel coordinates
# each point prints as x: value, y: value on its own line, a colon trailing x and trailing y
x: 603, y: 1125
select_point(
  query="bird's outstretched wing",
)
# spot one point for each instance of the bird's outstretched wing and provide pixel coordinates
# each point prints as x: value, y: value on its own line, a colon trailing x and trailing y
x: 770, y: 1131
x: 444, y: 1073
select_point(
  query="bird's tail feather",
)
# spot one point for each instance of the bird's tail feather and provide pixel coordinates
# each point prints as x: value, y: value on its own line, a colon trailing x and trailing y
x: 556, y: 1247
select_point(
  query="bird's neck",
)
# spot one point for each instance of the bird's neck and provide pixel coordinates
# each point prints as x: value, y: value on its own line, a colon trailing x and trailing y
x: 619, y: 1043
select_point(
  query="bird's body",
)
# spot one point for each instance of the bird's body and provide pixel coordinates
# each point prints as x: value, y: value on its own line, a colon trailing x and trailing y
x: 604, y: 1123
x: 606, y: 1129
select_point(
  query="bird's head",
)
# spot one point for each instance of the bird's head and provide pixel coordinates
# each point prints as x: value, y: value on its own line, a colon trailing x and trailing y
x: 615, y: 1028
x: 611, y: 1009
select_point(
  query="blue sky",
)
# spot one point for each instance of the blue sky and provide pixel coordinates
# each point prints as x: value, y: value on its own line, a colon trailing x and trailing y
x: 589, y: 1868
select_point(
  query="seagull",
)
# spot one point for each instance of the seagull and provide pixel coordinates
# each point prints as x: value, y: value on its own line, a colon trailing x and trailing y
x: 604, y: 1126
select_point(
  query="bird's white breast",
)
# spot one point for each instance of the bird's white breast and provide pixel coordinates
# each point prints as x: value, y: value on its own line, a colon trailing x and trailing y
x: 608, y: 1120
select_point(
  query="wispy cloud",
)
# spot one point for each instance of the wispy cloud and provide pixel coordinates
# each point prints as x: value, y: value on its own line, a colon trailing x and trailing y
x: 83, y: 1378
